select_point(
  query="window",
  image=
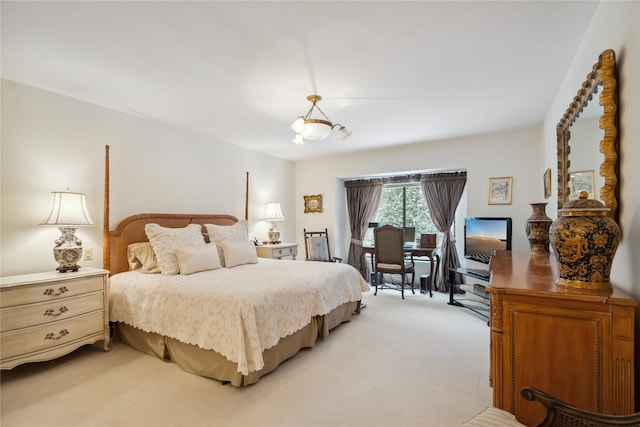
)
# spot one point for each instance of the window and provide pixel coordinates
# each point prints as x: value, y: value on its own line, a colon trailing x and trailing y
x: 403, y: 206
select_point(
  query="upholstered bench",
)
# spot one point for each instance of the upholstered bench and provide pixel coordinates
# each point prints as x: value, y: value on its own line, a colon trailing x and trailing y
x: 559, y: 414
x: 493, y: 417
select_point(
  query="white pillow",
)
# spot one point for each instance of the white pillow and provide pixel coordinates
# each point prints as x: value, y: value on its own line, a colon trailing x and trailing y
x: 220, y: 234
x: 166, y: 240
x: 239, y: 252
x: 193, y: 259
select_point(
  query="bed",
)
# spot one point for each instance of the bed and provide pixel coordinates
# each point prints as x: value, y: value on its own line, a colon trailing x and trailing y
x: 234, y: 323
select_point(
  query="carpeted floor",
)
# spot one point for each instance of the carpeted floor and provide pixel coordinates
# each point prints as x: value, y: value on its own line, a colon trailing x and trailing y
x: 417, y: 362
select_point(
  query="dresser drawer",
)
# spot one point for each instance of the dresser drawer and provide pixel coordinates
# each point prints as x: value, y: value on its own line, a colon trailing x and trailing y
x: 50, y: 291
x: 51, y: 311
x: 46, y: 336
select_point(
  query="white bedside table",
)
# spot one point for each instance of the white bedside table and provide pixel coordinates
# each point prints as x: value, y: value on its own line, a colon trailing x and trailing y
x: 47, y: 315
x: 277, y: 251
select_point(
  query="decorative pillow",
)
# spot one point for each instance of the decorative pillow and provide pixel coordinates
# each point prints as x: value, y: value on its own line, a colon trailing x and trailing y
x: 166, y: 240
x: 220, y: 234
x: 193, y: 259
x: 239, y: 252
x: 142, y: 258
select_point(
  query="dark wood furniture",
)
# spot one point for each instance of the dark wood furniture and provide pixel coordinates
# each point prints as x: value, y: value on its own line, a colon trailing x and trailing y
x: 559, y: 414
x: 390, y: 257
x: 575, y: 345
x: 416, y: 252
x: 316, y: 246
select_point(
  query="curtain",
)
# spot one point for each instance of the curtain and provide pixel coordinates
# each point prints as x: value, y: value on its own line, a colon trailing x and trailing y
x: 442, y: 192
x: 363, y: 197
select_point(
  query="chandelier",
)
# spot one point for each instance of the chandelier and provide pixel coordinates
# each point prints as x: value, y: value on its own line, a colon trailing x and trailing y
x: 315, y: 129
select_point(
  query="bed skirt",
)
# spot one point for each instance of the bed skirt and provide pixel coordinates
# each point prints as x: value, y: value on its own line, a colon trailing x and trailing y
x: 211, y: 364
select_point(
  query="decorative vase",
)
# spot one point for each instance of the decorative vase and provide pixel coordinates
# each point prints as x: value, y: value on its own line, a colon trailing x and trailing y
x: 537, y: 229
x: 584, y: 241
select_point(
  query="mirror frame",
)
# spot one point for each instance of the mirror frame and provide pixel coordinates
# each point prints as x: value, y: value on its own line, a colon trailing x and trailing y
x: 603, y: 74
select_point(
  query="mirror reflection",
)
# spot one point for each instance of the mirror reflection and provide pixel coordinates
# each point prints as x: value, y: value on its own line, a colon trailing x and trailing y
x: 584, y: 158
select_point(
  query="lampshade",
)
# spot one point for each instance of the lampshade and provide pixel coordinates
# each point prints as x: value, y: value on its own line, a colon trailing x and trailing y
x: 315, y: 130
x: 68, y: 209
x: 273, y: 212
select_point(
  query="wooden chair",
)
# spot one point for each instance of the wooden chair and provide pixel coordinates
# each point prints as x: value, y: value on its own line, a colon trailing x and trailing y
x: 316, y: 246
x: 389, y: 257
x: 559, y: 414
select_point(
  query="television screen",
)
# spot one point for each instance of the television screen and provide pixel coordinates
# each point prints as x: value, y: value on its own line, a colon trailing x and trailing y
x: 483, y: 236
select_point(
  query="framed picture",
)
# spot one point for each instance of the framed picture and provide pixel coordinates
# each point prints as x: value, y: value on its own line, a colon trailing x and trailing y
x: 313, y: 203
x: 547, y: 183
x: 582, y: 181
x: 500, y: 190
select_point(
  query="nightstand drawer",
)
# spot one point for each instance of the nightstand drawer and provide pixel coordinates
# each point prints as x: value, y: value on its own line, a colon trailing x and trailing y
x: 285, y: 251
x: 278, y: 250
x: 47, y: 312
x: 42, y: 337
x: 51, y: 291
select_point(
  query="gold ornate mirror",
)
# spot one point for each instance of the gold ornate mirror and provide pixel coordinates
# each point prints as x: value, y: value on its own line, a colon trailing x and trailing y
x: 591, y: 122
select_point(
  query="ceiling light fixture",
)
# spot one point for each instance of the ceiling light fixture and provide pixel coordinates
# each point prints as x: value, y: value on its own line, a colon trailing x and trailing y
x: 315, y: 129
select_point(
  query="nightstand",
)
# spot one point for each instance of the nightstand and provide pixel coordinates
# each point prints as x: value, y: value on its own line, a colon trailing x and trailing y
x: 277, y: 251
x: 47, y: 315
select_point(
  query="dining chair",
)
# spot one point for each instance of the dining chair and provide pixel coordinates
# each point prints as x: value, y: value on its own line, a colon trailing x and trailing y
x: 390, y: 257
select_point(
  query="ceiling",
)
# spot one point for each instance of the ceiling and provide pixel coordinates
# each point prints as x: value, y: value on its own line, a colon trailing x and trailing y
x: 239, y: 72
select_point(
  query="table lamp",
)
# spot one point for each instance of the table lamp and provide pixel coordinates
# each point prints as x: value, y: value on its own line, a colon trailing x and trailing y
x: 68, y: 211
x: 273, y: 213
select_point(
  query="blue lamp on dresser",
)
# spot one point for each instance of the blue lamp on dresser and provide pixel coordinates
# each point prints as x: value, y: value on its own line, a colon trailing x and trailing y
x: 68, y: 212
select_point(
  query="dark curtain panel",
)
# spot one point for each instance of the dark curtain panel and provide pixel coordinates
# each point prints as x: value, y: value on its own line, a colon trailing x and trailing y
x: 363, y: 197
x: 442, y: 192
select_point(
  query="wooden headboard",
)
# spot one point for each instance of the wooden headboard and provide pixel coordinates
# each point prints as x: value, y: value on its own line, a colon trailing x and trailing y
x: 131, y: 229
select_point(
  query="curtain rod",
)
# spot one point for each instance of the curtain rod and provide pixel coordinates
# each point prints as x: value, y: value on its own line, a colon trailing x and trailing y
x: 399, y: 179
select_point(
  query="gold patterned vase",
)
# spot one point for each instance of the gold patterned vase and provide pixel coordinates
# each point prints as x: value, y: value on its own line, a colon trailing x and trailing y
x: 537, y: 229
x: 584, y: 241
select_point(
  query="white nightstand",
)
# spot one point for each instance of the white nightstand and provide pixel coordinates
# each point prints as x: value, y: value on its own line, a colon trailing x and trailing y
x: 277, y: 251
x: 47, y: 315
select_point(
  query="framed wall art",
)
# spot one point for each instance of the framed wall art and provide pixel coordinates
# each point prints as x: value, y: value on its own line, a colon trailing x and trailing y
x: 313, y: 203
x: 582, y: 181
x: 547, y: 183
x: 500, y: 190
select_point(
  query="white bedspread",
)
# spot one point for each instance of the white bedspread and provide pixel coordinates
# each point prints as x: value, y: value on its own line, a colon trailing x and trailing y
x: 238, y: 312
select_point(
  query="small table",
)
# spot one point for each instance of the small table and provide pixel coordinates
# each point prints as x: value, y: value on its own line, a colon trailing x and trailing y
x: 278, y: 250
x: 416, y: 251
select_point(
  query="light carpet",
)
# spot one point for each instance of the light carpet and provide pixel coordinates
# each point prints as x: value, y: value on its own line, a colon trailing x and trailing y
x: 417, y: 362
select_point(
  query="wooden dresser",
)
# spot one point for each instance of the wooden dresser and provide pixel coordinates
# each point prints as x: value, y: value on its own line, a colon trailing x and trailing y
x: 47, y: 315
x: 575, y: 345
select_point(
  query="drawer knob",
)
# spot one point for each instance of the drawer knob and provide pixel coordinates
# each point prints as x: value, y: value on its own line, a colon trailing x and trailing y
x: 52, y: 336
x: 53, y: 293
x: 52, y: 312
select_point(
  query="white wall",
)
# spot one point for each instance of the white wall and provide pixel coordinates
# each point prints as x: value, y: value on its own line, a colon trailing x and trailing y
x: 51, y: 142
x: 616, y: 25
x: 517, y: 154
